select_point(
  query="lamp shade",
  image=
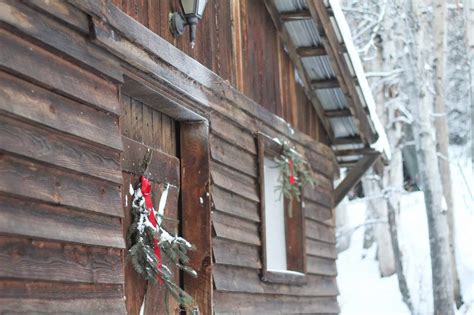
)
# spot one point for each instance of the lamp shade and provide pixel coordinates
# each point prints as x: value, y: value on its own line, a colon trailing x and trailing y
x: 193, y: 8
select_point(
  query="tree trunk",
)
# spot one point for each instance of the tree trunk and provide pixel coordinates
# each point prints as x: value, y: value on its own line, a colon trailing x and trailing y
x: 428, y: 159
x: 442, y: 135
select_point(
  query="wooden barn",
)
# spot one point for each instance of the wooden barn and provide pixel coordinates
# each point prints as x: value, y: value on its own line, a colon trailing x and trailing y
x: 88, y: 87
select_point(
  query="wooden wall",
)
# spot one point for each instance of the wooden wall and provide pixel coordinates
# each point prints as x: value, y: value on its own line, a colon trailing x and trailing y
x: 238, y: 41
x: 61, y: 244
x: 237, y: 241
x: 61, y: 214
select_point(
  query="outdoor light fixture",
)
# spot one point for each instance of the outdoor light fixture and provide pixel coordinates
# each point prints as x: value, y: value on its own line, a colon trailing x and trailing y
x: 192, y: 13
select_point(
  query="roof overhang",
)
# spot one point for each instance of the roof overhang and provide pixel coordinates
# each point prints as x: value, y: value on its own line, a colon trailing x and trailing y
x: 318, y: 40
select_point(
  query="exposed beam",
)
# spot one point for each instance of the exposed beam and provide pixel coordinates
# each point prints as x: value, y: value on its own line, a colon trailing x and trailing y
x: 295, y: 15
x: 296, y: 60
x: 348, y: 140
x: 336, y: 55
x: 311, y: 51
x: 325, y: 84
x: 349, y: 152
x: 354, y: 176
x: 338, y: 113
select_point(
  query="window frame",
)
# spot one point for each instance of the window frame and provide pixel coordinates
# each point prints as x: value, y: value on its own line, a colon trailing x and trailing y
x: 295, y: 242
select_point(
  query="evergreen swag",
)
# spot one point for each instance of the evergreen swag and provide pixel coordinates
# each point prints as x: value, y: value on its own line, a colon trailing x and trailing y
x: 142, y: 254
x: 295, y: 173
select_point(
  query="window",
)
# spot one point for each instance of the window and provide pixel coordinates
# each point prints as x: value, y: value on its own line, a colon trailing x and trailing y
x: 283, y: 254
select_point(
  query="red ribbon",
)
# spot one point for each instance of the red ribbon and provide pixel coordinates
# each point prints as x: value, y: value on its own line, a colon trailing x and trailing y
x: 292, y: 172
x: 146, y: 190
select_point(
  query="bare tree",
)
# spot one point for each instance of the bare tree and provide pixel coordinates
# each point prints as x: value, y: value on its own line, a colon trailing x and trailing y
x: 430, y: 80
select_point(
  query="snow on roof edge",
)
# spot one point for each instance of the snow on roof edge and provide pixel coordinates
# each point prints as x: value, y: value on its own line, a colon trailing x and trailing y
x: 382, y: 144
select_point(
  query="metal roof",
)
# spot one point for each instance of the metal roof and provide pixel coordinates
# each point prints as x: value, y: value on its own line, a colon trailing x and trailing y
x: 319, y: 43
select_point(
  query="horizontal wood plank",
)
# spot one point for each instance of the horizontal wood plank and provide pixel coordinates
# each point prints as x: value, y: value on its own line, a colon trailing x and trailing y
x: 163, y: 168
x: 43, y: 221
x: 228, y: 303
x: 236, y: 182
x: 235, y: 229
x: 45, y: 68
x: 72, y: 45
x: 322, y: 164
x: 64, y: 12
x: 232, y: 156
x: 227, y: 252
x: 31, y: 180
x: 51, y: 261
x: 21, y: 289
x: 30, y: 102
x: 59, y: 150
x: 245, y: 280
x: 233, y: 204
x: 319, y: 195
x: 220, y: 97
x: 320, y: 249
x: 316, y: 212
x: 69, y: 306
x: 321, y: 266
x: 227, y: 130
x: 319, y: 231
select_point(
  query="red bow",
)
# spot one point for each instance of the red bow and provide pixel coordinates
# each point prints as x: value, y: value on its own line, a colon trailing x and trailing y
x: 146, y: 190
x: 292, y: 172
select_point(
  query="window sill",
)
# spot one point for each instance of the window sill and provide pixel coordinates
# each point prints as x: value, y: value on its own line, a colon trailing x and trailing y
x: 283, y: 277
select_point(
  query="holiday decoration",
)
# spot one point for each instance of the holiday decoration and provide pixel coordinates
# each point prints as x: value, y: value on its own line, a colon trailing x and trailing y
x: 295, y: 173
x: 149, y: 241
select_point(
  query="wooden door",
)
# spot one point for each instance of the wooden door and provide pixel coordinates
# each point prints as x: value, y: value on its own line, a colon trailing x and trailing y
x: 144, y: 128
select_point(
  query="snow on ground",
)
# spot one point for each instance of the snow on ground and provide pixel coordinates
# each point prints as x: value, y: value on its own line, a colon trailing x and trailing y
x: 362, y: 291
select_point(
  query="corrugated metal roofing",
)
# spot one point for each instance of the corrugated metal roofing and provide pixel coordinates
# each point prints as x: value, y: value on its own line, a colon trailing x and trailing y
x: 290, y: 5
x: 303, y: 33
x: 318, y: 68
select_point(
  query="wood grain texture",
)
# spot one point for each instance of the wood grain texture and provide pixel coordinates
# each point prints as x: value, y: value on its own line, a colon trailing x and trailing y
x: 59, y: 150
x: 234, y: 181
x: 63, y: 12
x: 232, y: 156
x: 196, y: 210
x: 232, y: 228
x: 51, y: 261
x: 163, y: 167
x: 34, y: 104
x: 251, y: 303
x: 316, y: 211
x: 321, y: 266
x: 227, y: 252
x: 58, y: 290
x: 48, y: 70
x: 320, y: 249
x: 70, y: 44
x: 319, y: 231
x: 233, y: 204
x: 226, y: 129
x: 234, y: 102
x: 27, y: 179
x: 43, y: 221
x: 237, y: 279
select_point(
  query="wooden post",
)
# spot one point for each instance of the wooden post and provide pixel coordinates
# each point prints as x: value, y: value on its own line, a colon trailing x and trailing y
x: 196, y: 210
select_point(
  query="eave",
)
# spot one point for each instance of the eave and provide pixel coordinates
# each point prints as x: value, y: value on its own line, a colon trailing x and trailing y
x: 317, y: 38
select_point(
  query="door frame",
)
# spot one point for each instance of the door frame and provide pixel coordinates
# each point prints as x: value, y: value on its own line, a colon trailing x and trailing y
x: 195, y: 201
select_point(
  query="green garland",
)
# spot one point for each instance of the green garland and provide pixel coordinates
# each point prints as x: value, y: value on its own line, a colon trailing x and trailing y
x: 141, y: 235
x: 300, y: 171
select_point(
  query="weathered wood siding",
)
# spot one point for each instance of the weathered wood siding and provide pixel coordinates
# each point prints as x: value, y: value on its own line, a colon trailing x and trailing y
x: 237, y: 240
x: 238, y: 41
x: 61, y: 243
x: 61, y: 215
